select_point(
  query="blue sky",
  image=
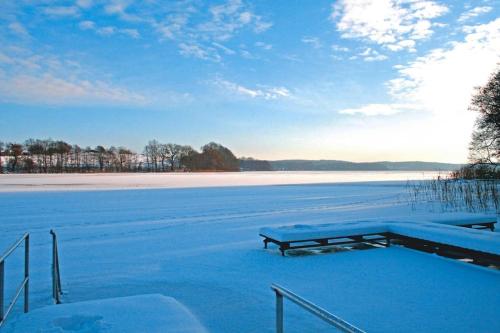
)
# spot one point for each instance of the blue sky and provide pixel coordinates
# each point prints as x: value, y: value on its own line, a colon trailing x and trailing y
x: 353, y: 80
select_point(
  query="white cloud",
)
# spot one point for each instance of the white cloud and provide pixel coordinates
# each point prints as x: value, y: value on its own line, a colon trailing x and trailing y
x: 403, y: 44
x: 173, y: 25
x: 28, y: 78
x: 380, y: 109
x: 474, y: 12
x: 87, y: 25
x: 313, y: 41
x: 386, y: 22
x: 261, y: 25
x: 370, y: 55
x: 247, y: 54
x: 437, y: 88
x: 443, y: 80
x: 106, y: 31
x: 84, y: 3
x: 57, y: 11
x: 226, y: 50
x: 198, y: 51
x: 18, y: 29
x: 339, y: 48
x: 109, y: 30
x: 228, y: 18
x: 196, y: 26
x: 130, y: 32
x: 264, y: 92
x: 264, y: 46
x: 49, y: 89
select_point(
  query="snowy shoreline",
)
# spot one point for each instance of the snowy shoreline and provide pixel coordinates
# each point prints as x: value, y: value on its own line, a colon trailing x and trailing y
x: 119, y: 181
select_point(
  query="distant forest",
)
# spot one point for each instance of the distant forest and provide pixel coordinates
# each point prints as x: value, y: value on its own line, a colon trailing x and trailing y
x: 57, y: 156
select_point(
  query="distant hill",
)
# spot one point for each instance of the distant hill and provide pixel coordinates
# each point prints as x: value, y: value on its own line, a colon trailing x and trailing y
x: 335, y: 165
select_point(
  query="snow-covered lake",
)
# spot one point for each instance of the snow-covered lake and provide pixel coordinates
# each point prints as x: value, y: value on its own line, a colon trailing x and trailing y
x: 66, y: 182
x: 201, y: 246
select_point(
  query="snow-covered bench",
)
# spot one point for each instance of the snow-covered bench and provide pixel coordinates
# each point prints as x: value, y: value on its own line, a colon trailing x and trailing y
x: 476, y: 221
x: 306, y: 236
x: 429, y: 235
x: 448, y: 237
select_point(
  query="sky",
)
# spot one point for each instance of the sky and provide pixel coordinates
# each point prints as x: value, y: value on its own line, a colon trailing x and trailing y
x: 351, y: 80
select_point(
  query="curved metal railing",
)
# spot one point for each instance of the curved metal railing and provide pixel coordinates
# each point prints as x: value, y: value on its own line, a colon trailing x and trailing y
x: 333, y: 320
x: 24, y: 285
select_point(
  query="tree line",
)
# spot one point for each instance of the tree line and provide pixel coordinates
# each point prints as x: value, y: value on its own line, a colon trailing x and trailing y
x: 57, y: 156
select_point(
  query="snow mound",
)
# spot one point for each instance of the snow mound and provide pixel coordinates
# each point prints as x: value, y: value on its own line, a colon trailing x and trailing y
x: 142, y: 313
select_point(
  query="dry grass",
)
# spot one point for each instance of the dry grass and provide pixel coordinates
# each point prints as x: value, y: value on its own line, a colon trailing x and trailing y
x: 455, y: 194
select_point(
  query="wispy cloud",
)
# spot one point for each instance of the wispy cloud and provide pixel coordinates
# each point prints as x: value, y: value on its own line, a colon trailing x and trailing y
x: 380, y: 109
x: 338, y: 48
x: 60, y: 11
x: 264, y: 92
x: 87, y: 25
x: 84, y: 3
x: 108, y: 30
x: 474, y: 12
x: 264, y: 46
x: 312, y: 41
x: 226, y: 49
x: 18, y: 29
x: 228, y: 18
x: 387, y: 22
x: 199, y: 30
x: 29, y: 78
x: 370, y: 55
x: 198, y: 51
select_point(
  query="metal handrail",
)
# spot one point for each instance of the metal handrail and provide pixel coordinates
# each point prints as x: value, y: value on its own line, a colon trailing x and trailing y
x: 24, y: 285
x: 333, y: 320
x: 56, y: 275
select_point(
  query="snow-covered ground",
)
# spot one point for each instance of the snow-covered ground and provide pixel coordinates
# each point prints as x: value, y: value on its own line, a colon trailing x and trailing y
x: 201, y: 246
x: 78, y: 182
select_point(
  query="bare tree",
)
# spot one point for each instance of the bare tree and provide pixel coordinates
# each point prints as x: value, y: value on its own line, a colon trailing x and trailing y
x: 485, y: 144
x: 15, y: 150
x: 101, y: 156
x: 173, y: 153
x: 1, y: 153
x: 152, y: 152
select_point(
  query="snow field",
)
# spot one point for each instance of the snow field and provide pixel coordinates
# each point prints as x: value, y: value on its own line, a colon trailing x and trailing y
x: 201, y: 247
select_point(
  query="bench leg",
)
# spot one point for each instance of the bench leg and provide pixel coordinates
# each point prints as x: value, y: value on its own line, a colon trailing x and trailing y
x: 265, y: 243
x: 284, y: 247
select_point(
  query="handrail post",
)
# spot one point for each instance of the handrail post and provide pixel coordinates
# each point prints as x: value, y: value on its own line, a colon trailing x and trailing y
x: 54, y: 294
x: 56, y: 277
x: 279, y: 312
x: 26, y: 272
x: 2, y: 280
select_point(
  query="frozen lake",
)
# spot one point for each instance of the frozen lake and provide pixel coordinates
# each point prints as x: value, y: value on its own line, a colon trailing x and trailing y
x: 201, y: 246
x: 66, y: 182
